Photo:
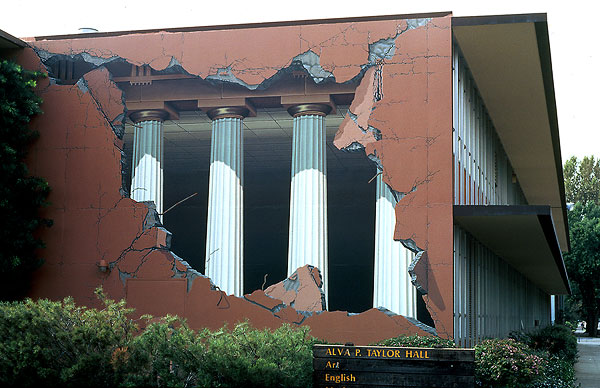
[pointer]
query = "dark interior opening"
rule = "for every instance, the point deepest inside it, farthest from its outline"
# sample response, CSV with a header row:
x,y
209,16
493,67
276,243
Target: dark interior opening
x,y
187,221
351,212
266,218
422,312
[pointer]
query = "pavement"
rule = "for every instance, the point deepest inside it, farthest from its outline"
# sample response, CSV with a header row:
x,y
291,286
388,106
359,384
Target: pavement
x,y
587,368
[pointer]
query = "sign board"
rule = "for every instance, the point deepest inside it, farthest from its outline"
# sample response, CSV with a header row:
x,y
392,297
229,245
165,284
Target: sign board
x,y
378,366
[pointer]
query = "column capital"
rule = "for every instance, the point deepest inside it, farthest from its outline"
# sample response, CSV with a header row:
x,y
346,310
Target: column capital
x,y
149,115
238,112
309,109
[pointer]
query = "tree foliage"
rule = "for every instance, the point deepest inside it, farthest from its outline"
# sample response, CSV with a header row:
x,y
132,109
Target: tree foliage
x,y
582,188
21,195
583,262
582,180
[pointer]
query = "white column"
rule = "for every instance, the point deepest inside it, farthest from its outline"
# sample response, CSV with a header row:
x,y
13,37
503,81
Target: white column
x,y
552,309
148,150
224,237
392,286
308,199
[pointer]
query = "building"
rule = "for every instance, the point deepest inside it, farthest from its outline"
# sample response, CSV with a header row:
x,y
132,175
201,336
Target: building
x,y
413,159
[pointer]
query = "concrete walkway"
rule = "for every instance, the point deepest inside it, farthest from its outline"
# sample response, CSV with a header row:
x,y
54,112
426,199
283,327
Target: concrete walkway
x,y
587,367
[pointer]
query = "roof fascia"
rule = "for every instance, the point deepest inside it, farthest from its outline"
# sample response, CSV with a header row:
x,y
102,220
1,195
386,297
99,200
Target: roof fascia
x,y
7,38
288,23
460,21
543,40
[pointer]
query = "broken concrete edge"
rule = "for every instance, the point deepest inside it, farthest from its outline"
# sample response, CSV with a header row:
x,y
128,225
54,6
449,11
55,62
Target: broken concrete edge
x,y
417,269
190,274
302,290
418,275
422,326
319,283
283,313
152,221
291,283
385,48
353,147
382,50
276,306
434,317
308,60
152,218
379,51
117,123
417,323
376,159
375,132
82,85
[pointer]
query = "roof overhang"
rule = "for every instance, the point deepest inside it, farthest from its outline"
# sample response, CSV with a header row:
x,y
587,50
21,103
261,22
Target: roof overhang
x,y
523,236
7,41
509,57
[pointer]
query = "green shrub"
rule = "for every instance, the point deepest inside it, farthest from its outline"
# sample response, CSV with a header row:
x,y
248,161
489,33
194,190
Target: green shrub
x,y
571,325
558,340
558,373
416,341
60,344
507,363
167,353
249,357
520,336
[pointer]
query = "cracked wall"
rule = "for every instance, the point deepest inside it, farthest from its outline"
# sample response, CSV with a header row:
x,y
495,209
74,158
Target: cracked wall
x,y
400,116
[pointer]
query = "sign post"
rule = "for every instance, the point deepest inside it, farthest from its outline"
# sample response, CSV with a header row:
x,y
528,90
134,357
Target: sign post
x,y
379,366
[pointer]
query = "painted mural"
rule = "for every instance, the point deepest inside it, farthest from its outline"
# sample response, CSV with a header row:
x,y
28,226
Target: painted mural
x,y
400,116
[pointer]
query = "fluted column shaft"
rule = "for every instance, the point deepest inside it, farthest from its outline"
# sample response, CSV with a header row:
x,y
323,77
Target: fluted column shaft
x,y
148,152
308,199
224,238
392,286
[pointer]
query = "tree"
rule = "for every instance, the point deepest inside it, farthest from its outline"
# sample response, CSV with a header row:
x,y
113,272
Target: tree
x,y
582,187
582,180
583,262
21,195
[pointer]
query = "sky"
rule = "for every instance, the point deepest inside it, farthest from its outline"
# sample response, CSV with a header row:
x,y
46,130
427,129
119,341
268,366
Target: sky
x,y
574,38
